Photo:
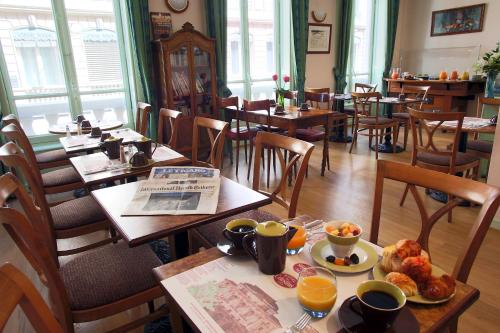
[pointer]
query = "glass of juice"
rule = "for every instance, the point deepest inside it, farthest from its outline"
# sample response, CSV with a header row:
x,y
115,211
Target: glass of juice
x,y
317,291
296,244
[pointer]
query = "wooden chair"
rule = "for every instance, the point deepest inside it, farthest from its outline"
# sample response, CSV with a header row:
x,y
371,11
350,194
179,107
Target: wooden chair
x,y
364,120
299,152
478,147
56,181
91,286
322,97
243,133
216,131
364,88
68,219
487,196
142,118
45,160
168,127
419,93
16,289
427,155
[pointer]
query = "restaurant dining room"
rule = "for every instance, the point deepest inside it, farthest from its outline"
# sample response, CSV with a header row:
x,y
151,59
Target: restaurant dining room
x,y
271,166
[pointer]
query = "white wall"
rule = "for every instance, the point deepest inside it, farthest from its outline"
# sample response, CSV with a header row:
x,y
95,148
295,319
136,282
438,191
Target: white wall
x,y
194,14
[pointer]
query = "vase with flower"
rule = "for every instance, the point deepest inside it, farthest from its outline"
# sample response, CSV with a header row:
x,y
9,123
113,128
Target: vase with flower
x,y
489,64
280,91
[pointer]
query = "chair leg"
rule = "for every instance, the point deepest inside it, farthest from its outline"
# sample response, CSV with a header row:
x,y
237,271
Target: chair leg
x,y
407,130
237,155
268,165
450,211
151,306
395,137
345,131
246,157
250,160
376,144
274,160
370,137
354,139
231,151
405,193
420,135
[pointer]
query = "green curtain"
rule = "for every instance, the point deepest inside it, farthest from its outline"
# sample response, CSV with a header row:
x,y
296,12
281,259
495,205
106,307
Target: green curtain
x,y
142,56
216,19
392,24
344,28
300,16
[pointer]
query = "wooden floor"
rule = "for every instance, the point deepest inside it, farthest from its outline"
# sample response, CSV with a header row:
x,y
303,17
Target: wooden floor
x,y
345,192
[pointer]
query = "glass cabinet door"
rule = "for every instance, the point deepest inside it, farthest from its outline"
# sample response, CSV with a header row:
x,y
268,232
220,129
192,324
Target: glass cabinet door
x,y
181,80
203,76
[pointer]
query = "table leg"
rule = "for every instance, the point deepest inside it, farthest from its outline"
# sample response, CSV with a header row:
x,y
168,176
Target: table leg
x,y
339,136
387,147
325,145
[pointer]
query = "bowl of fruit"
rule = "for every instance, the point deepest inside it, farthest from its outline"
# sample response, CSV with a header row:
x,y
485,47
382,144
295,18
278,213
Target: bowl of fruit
x,y
342,236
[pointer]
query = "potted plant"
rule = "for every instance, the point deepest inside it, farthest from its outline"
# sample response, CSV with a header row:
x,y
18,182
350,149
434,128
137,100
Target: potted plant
x,y
489,65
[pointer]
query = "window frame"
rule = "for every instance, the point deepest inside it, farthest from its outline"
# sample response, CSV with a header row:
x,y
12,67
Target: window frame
x,y
72,93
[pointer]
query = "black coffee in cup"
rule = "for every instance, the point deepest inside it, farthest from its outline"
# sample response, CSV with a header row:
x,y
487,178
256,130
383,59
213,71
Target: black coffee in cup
x,y
242,228
380,300
237,229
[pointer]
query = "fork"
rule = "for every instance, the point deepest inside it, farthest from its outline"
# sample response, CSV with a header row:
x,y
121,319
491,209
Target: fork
x,y
300,324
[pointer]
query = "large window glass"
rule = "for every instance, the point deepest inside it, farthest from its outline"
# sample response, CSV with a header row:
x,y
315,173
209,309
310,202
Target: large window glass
x,y
255,30
47,89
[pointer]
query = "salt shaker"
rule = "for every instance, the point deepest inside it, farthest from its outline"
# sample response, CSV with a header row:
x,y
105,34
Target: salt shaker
x,y
68,133
79,128
122,155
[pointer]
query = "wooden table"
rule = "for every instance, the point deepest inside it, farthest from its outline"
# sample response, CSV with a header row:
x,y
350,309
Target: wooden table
x,y
136,230
84,143
163,156
290,121
104,125
432,318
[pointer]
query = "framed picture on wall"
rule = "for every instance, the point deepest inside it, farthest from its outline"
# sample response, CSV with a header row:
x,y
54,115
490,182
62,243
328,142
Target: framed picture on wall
x,y
161,24
460,20
319,38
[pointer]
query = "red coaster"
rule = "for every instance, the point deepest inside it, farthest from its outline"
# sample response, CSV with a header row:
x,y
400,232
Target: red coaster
x,y
285,280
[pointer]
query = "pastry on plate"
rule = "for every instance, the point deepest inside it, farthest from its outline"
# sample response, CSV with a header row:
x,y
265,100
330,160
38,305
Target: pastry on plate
x,y
418,268
393,255
437,288
407,248
404,282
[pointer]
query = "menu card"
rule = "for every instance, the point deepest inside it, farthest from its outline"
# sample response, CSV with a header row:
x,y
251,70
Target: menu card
x,y
230,294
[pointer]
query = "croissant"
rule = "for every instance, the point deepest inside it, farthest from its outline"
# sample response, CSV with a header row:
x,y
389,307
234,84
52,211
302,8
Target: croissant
x,y
418,268
404,282
437,288
407,248
390,261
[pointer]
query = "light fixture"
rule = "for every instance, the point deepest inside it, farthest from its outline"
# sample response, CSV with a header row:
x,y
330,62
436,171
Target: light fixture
x,y
318,15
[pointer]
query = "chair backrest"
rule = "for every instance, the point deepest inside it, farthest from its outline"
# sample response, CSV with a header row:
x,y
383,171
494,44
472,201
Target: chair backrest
x,y
363,104
431,122
216,130
317,99
22,229
325,98
487,196
299,152
481,102
16,134
168,127
16,289
234,103
417,92
142,118
259,105
364,87
11,119
12,156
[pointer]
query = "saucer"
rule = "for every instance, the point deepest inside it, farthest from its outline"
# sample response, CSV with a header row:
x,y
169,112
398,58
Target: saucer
x,y
353,323
150,163
227,247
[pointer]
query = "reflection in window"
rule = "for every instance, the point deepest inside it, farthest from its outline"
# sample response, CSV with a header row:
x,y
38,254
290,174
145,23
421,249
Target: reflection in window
x,y
102,54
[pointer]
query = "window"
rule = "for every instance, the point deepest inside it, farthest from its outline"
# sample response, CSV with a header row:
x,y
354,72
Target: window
x,y
254,29
46,89
367,49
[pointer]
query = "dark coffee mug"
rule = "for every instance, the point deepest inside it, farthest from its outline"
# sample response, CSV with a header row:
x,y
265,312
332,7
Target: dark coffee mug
x,y
80,118
377,317
104,136
86,127
401,97
95,132
111,148
138,160
146,147
267,245
304,107
232,234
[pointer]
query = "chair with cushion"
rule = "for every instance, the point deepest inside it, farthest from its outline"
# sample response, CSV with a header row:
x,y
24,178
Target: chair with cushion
x,y
216,131
478,147
429,155
45,160
68,219
56,181
324,103
142,118
240,133
299,152
94,285
420,94
365,120
16,289
359,87
487,196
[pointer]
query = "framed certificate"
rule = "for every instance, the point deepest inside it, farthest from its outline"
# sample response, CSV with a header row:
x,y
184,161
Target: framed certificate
x,y
319,38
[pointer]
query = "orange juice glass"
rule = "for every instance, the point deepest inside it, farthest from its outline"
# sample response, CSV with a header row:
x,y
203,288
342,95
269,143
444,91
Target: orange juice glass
x,y
296,244
317,291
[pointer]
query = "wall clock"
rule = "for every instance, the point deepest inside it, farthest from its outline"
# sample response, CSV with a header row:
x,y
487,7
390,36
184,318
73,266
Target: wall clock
x,y
318,15
177,6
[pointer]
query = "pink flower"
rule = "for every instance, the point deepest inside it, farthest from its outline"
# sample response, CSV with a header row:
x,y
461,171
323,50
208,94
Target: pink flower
x,y
275,77
286,78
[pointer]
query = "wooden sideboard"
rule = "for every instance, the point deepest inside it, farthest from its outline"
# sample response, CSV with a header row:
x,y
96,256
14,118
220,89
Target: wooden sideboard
x,y
444,95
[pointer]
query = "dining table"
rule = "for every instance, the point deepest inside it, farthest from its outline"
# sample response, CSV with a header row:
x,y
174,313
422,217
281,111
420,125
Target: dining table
x,y
234,198
247,293
86,143
104,125
97,168
292,119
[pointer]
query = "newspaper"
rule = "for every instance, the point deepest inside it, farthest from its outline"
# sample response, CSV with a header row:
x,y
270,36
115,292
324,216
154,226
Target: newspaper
x,y
176,191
